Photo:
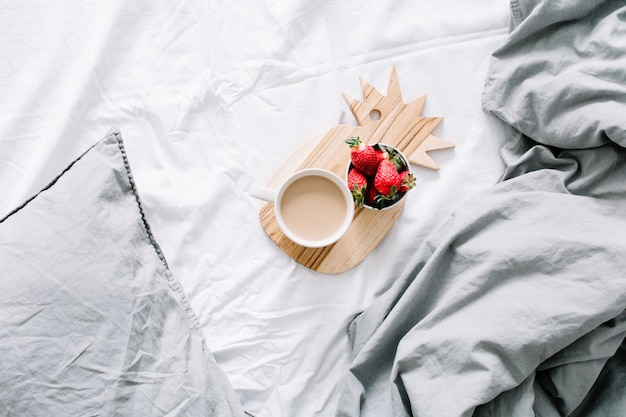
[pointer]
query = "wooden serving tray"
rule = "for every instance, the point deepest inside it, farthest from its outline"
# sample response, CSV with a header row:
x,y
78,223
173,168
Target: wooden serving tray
x,y
382,119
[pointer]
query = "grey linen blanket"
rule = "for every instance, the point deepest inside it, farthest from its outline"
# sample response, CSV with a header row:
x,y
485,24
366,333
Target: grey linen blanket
x,y
515,304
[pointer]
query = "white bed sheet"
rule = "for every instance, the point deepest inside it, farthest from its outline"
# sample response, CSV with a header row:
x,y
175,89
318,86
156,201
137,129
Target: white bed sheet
x,y
211,97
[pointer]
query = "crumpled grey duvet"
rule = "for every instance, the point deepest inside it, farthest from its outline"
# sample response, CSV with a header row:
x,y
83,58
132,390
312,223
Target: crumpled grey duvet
x,y
92,322
515,305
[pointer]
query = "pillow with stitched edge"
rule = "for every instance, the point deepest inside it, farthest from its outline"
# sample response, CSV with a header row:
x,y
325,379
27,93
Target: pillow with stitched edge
x,y
93,322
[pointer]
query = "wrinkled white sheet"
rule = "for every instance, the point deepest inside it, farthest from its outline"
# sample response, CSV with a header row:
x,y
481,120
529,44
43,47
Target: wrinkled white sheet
x,y
213,96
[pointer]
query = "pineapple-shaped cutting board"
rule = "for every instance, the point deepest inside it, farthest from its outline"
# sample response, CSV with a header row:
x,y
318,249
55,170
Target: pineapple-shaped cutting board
x,y
381,119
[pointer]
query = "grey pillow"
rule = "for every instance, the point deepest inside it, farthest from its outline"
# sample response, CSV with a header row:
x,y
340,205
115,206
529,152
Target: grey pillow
x,y
92,320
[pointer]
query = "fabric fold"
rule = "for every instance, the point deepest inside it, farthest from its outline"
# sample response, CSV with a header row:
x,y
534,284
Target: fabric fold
x,y
515,303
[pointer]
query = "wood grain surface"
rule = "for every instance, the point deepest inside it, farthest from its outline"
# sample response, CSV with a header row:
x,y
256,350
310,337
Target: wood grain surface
x,y
382,119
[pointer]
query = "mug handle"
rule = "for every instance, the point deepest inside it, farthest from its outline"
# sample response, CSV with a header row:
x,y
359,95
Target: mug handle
x,y
263,193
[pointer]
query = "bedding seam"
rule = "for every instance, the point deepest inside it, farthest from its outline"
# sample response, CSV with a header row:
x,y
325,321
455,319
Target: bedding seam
x,y
516,12
175,284
144,221
49,185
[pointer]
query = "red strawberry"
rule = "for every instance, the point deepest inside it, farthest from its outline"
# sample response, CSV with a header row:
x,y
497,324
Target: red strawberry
x,y
389,152
407,181
363,156
387,180
381,155
371,194
357,183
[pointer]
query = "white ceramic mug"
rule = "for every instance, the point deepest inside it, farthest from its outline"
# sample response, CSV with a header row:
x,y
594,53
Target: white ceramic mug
x,y
313,207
